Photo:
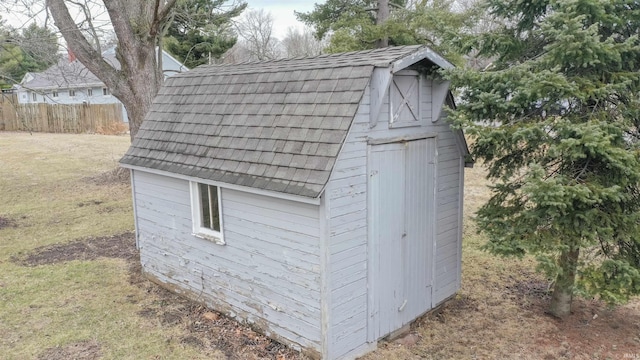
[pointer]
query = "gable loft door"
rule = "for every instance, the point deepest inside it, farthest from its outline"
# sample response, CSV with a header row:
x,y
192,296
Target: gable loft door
x,y
401,188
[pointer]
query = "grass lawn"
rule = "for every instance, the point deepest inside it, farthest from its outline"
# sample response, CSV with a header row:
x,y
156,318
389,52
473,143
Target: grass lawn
x,y
51,194
70,288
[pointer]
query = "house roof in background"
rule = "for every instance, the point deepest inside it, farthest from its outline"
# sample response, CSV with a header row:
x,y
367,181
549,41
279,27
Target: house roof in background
x,y
65,74
274,125
73,74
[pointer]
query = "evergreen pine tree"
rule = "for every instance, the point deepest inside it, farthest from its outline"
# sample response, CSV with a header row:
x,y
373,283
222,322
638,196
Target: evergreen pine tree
x,y
555,119
201,30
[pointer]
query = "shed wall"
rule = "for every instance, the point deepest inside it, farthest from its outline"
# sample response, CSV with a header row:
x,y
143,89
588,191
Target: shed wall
x,y
346,201
266,274
449,208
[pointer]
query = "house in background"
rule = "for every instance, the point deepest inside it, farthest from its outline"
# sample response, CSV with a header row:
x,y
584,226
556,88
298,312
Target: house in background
x,y
70,82
319,199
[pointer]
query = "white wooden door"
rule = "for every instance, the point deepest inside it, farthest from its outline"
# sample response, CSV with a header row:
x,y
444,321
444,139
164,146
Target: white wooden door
x,y
401,189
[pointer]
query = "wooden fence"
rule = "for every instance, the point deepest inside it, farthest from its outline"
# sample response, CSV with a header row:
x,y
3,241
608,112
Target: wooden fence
x,y
60,118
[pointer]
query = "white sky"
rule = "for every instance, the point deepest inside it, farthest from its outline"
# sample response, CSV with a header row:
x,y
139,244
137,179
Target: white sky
x,y
282,12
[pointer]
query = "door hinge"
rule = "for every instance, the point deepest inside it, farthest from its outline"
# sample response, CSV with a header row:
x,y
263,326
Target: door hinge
x,y
403,305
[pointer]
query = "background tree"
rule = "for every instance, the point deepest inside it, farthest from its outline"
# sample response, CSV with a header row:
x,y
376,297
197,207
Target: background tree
x,y
353,24
138,26
31,50
382,15
349,24
556,118
324,17
255,30
297,43
200,31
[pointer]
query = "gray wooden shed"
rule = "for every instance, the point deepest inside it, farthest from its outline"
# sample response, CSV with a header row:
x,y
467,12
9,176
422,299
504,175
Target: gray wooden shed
x,y
319,199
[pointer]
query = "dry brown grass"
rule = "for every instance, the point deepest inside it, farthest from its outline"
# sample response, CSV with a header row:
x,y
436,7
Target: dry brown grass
x,y
114,128
56,190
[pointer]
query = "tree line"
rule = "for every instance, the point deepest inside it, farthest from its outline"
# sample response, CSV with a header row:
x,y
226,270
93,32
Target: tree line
x,y
548,92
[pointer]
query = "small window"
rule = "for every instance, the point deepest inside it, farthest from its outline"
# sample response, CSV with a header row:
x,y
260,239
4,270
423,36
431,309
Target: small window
x,y
72,93
105,91
89,92
206,211
34,96
54,93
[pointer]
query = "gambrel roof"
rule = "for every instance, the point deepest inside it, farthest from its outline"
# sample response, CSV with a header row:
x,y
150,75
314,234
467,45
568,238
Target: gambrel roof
x,y
275,125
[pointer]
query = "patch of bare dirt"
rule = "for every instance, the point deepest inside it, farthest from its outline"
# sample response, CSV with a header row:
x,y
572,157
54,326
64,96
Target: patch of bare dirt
x,y
6,222
593,331
204,328
114,246
532,292
118,175
85,350
90,203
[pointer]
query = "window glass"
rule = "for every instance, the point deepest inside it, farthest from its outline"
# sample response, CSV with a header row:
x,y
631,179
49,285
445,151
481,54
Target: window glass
x,y
205,206
215,214
206,212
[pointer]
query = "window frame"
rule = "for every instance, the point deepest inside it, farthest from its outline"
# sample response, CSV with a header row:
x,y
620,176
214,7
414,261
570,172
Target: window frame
x,y
106,92
89,92
199,230
34,96
72,92
54,93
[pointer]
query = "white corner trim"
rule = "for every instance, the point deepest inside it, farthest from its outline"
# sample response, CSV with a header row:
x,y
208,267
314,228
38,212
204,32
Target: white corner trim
x,y
379,84
440,90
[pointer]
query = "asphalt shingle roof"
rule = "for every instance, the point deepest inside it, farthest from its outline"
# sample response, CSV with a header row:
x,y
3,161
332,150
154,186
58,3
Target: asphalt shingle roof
x,y
275,125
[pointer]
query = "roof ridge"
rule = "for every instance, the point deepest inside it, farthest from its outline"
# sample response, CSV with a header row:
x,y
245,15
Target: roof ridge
x,y
320,56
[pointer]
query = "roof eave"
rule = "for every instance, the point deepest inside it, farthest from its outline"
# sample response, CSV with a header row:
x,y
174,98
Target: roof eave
x,y
276,194
421,54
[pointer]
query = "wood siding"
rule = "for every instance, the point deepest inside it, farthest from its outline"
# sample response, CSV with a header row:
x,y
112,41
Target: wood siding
x,y
346,198
268,273
402,176
450,176
346,201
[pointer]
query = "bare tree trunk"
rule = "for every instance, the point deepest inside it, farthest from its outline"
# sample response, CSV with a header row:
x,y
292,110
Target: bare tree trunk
x,y
381,18
562,295
137,25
